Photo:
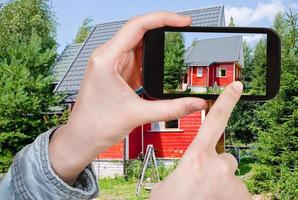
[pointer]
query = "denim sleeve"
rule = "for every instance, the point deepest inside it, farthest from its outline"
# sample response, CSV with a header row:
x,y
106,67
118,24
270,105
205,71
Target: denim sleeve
x,y
32,177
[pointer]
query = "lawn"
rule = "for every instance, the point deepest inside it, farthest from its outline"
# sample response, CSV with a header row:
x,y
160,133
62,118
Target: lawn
x,y
119,189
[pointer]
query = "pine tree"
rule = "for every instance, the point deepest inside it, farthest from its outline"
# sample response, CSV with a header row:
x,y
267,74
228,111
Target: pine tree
x,y
275,170
231,23
259,66
28,50
84,31
174,61
246,73
23,17
238,129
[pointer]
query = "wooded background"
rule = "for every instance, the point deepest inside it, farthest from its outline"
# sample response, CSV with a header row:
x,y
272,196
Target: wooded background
x,y
28,50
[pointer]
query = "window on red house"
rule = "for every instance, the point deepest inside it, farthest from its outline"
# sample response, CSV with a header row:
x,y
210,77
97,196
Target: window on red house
x,y
164,125
221,72
171,124
199,72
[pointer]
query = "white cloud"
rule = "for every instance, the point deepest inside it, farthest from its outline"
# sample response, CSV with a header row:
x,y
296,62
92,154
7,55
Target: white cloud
x,y
253,39
245,16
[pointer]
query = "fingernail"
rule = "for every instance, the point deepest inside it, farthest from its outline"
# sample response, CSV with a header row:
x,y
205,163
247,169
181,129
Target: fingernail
x,y
238,86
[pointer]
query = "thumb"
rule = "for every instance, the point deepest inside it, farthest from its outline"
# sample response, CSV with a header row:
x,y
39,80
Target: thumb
x,y
165,110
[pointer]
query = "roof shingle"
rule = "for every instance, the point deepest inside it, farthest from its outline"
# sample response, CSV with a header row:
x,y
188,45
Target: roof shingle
x,y
212,16
215,50
65,60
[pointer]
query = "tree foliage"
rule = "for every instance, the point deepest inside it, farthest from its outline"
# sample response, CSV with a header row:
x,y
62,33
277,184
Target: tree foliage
x,y
22,18
84,31
239,129
275,170
28,50
259,66
173,60
231,23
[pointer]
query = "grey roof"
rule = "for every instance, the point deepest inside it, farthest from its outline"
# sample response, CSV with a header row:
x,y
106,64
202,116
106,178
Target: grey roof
x,y
215,50
65,60
212,16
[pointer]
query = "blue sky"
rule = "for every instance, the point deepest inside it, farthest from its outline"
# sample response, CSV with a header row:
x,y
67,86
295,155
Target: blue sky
x,y
70,13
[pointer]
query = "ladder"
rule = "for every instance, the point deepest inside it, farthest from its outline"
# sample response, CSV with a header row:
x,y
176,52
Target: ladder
x,y
149,156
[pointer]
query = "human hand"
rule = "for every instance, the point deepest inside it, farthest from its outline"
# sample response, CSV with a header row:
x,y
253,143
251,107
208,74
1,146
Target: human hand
x,y
107,108
202,173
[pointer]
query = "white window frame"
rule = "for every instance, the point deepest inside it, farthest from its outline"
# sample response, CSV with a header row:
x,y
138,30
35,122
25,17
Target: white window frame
x,y
161,127
200,69
218,69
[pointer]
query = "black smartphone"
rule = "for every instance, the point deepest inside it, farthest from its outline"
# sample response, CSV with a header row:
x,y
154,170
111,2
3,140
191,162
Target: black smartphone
x,y
202,61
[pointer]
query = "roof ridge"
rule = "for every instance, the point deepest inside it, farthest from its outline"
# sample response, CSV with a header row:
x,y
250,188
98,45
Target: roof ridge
x,y
196,9
232,36
203,8
112,22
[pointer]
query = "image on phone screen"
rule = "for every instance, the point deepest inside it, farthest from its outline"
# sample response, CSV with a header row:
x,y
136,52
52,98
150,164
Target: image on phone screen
x,y
206,62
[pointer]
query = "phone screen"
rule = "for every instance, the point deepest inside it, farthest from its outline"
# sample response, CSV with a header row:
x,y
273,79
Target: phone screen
x,y
206,62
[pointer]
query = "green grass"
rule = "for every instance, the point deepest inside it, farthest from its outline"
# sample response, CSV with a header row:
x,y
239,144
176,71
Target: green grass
x,y
119,189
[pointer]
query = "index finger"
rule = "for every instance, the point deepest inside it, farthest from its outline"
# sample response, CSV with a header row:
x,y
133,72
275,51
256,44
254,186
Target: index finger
x,y
133,31
218,116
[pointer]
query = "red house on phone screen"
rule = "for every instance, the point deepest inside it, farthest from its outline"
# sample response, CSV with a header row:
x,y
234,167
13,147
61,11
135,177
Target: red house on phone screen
x,y
170,139
213,63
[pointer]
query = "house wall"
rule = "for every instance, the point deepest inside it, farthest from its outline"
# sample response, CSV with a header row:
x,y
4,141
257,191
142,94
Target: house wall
x,y
198,81
237,73
209,81
172,144
167,144
135,143
114,152
224,81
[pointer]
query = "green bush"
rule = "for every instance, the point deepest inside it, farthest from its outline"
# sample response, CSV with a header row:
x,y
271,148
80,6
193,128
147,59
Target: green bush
x,y
133,169
275,170
260,179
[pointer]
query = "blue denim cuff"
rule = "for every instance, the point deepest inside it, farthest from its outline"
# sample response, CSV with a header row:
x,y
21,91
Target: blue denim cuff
x,y
33,177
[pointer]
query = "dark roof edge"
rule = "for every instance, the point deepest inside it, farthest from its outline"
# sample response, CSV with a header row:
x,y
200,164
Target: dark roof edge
x,y
83,44
193,64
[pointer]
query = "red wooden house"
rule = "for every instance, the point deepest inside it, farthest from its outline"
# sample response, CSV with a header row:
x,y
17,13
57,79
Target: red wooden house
x,y
170,139
213,63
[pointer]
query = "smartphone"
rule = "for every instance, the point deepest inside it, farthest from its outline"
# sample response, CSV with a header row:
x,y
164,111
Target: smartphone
x,y
202,61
